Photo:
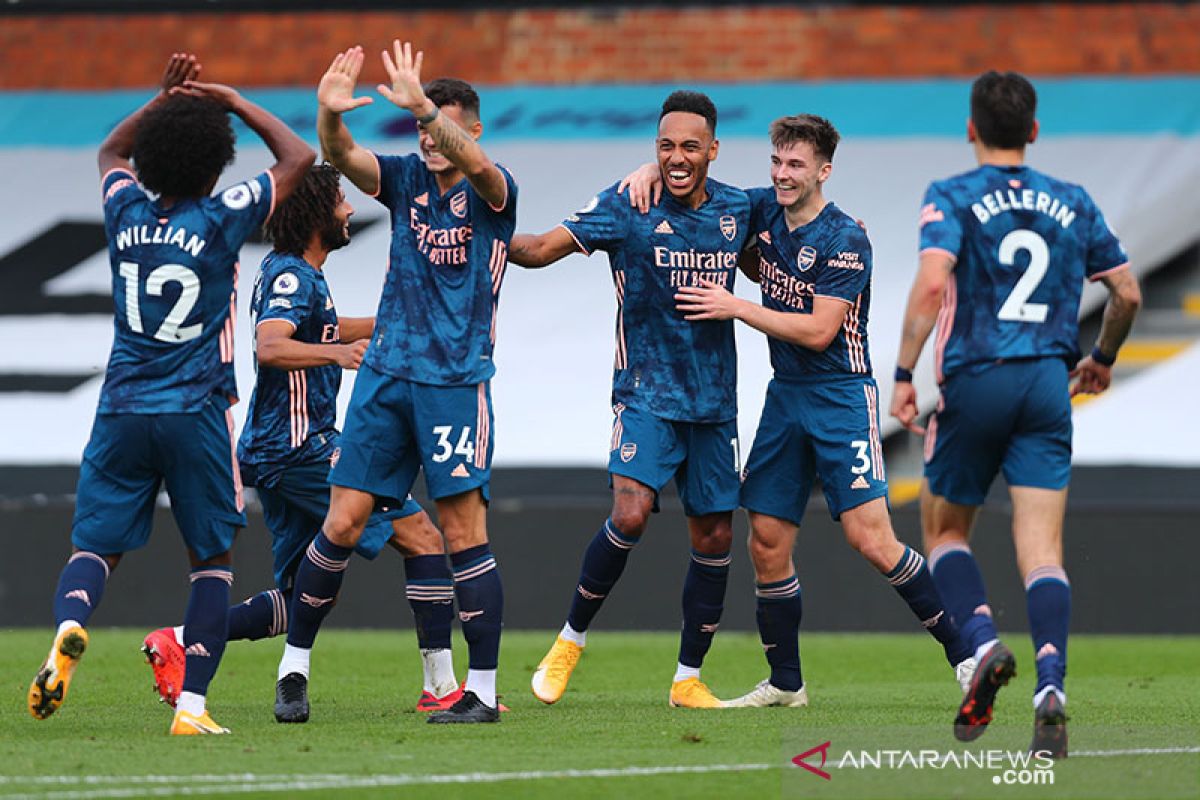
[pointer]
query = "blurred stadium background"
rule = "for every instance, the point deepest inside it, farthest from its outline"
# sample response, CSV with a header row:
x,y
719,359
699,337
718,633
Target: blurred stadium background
x,y
570,97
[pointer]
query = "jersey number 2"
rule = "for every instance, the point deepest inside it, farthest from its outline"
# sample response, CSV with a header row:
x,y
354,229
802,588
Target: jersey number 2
x,y
1017,307
169,330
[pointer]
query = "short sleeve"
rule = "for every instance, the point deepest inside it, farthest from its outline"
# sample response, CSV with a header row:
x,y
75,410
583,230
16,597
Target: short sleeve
x,y
846,270
602,223
1104,251
289,296
940,228
118,188
244,207
507,209
393,176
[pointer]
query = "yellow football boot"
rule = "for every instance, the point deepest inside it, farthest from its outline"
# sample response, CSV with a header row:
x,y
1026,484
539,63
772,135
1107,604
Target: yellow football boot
x,y
692,693
186,724
49,687
551,676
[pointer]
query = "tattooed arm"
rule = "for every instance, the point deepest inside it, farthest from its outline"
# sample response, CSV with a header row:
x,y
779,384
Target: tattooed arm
x,y
459,146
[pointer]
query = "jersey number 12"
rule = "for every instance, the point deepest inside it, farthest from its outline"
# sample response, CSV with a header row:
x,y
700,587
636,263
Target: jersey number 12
x,y
169,330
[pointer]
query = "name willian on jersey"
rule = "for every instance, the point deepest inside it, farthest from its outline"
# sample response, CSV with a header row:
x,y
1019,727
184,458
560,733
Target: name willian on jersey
x,y
160,234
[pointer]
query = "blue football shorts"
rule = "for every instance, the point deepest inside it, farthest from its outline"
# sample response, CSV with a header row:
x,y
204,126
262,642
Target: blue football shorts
x,y
130,456
396,428
826,427
1013,416
702,457
294,508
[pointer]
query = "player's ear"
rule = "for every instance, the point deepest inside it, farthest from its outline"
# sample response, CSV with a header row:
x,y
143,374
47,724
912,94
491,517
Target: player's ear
x,y
712,150
972,134
824,171
1033,132
475,129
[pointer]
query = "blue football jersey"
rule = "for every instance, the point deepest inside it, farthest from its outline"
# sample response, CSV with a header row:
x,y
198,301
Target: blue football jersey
x,y
174,284
665,365
437,316
293,412
1023,243
828,257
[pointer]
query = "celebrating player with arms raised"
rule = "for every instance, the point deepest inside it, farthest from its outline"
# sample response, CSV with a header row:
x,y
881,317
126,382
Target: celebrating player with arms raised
x,y
422,398
674,385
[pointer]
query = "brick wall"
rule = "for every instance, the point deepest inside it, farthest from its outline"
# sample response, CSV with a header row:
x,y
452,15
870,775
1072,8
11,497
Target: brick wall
x,y
617,45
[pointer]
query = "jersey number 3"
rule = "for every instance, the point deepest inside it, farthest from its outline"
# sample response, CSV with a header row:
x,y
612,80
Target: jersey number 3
x,y
1017,307
169,330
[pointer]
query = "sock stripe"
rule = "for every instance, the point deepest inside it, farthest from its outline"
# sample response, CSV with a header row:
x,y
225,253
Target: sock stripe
x,y
1045,573
278,612
943,550
431,593
85,554
908,568
615,538
481,567
712,561
323,561
212,572
779,590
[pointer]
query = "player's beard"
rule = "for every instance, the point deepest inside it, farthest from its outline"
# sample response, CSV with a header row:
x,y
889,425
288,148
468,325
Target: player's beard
x,y
335,236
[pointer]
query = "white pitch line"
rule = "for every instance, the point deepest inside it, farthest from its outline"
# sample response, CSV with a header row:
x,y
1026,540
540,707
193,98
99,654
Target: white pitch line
x,y
240,784
168,785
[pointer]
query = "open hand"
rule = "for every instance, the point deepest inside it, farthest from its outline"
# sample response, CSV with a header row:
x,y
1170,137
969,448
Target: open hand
x,y
336,89
645,187
706,301
1092,377
226,96
404,73
180,67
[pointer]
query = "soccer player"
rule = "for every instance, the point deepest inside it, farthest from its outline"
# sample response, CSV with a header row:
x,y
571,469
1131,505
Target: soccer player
x,y
674,385
164,406
821,415
422,399
290,438
1005,250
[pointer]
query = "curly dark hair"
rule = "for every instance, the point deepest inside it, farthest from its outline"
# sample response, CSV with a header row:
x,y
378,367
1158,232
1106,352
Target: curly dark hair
x,y
693,103
1003,105
307,210
182,145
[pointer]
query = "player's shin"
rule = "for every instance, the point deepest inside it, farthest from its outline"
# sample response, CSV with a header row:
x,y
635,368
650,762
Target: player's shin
x,y
80,587
261,616
703,602
205,631
481,609
911,579
960,584
318,580
603,562
779,610
1048,599
430,592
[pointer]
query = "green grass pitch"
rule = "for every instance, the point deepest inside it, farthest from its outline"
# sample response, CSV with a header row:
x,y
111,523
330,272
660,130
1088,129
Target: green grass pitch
x,y
1133,701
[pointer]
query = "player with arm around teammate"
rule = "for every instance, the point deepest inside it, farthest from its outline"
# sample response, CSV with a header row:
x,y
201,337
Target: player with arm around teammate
x,y
674,385
163,416
1005,251
422,398
821,415
290,438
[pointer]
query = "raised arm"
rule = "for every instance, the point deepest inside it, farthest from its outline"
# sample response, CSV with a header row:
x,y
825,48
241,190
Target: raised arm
x,y
292,156
1124,299
924,303
814,331
335,96
458,146
528,250
118,145
276,348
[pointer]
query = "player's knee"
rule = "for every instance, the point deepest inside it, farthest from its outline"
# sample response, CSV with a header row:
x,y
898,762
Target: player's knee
x,y
768,555
342,528
631,520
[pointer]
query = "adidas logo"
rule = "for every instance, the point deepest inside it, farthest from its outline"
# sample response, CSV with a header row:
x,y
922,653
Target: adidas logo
x,y
315,602
79,594
422,199
860,483
198,649
460,472
664,227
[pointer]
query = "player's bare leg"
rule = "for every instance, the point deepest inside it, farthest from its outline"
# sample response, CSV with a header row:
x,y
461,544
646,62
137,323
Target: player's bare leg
x,y
603,562
1037,536
703,602
318,580
480,604
430,592
947,529
779,612
80,587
